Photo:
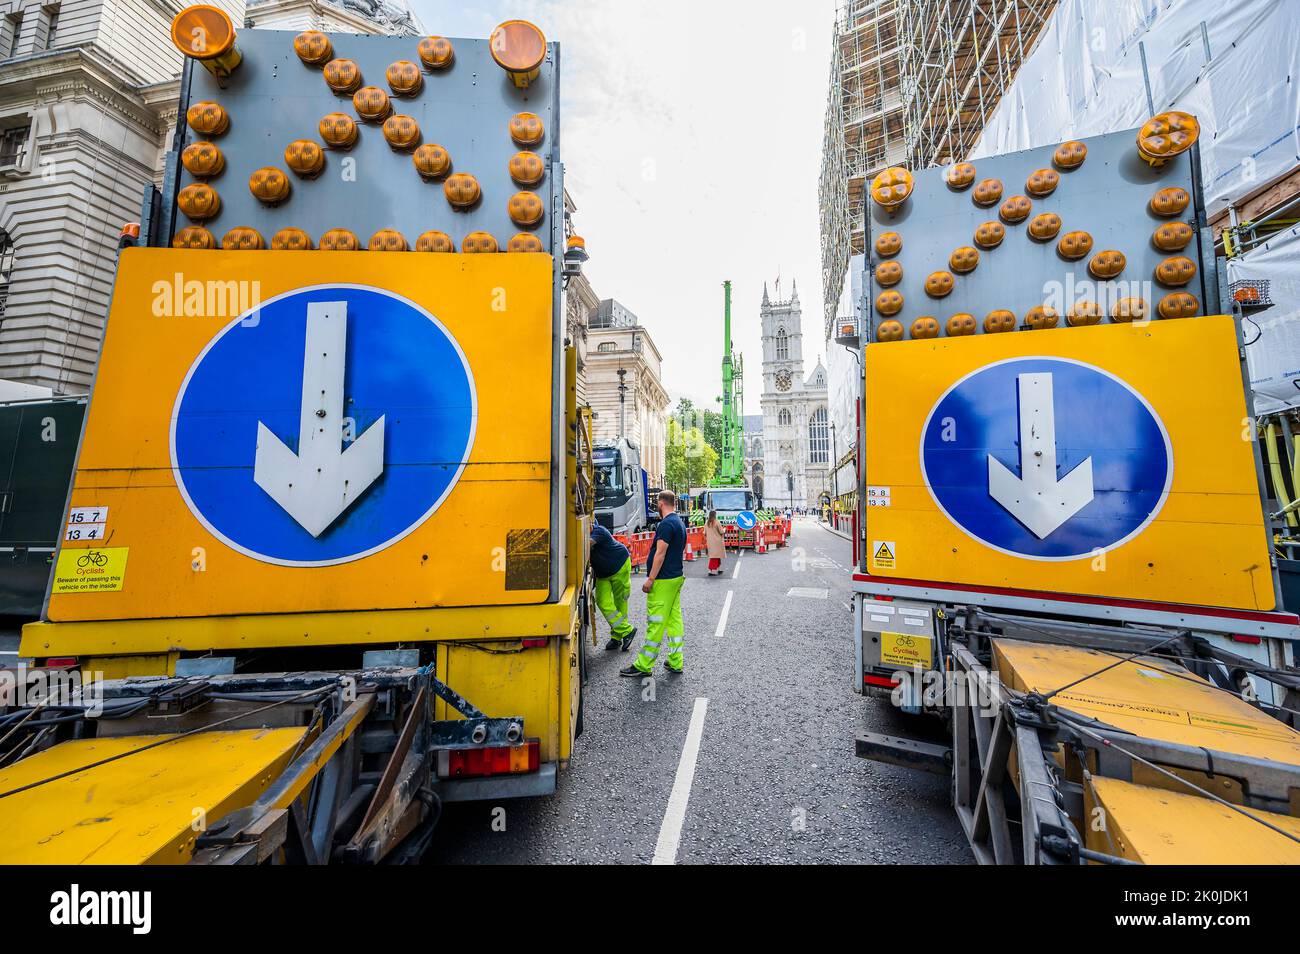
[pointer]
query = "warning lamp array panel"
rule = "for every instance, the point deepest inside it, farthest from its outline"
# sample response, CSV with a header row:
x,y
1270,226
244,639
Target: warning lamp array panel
x,y
1079,233
457,153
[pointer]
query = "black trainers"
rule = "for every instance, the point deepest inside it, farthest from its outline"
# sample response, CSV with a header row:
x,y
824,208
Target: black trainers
x,y
675,672
614,643
631,672
626,642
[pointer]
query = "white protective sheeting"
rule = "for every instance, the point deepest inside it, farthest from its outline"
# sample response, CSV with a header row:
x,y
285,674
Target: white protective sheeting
x,y
1273,336
842,372
1084,78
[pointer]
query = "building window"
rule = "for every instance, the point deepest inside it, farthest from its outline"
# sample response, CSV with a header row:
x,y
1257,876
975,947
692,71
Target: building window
x,y
6,268
51,16
13,144
13,27
783,418
607,346
782,345
819,444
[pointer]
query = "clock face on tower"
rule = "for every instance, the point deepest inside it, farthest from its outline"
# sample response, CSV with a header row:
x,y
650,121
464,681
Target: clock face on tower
x,y
783,380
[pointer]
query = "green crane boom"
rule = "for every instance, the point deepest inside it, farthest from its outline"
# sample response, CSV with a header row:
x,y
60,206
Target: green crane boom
x,y
731,467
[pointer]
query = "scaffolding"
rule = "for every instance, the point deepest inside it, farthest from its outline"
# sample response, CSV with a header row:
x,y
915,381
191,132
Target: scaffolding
x,y
863,130
957,58
912,82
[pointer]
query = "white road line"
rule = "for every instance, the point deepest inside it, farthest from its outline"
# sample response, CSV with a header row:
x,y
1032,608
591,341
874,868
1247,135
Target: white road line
x,y
722,620
736,571
670,832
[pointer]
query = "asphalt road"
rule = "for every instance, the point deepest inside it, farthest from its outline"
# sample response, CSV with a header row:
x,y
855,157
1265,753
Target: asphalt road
x,y
775,779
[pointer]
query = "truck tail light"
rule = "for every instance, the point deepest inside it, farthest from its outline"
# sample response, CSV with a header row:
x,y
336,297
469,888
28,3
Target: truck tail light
x,y
536,642
882,682
490,760
1243,638
62,662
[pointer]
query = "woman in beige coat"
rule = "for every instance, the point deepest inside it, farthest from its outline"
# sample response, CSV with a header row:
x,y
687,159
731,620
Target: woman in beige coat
x,y
717,544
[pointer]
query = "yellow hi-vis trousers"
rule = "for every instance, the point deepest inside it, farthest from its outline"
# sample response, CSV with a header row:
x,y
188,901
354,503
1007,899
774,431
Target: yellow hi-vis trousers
x,y
611,597
663,606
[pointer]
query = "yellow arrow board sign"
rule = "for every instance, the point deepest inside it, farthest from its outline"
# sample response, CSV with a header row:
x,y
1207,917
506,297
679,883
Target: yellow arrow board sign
x,y
311,431
1116,461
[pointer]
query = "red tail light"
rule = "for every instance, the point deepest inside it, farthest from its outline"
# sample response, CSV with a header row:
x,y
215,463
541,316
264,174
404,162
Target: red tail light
x,y
1249,640
884,682
536,642
61,662
490,760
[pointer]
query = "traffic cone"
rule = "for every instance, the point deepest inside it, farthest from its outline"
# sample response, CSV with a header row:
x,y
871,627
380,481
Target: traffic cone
x,y
689,554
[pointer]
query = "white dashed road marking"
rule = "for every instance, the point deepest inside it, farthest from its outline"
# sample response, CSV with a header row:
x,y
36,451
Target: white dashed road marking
x,y
722,620
670,832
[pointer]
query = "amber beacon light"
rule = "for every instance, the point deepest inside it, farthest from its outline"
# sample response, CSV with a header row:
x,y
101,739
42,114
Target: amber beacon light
x,y
518,48
205,33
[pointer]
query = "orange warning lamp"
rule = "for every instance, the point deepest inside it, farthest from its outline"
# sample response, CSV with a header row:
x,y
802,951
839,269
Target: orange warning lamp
x,y
404,78
401,132
525,208
243,238
462,190
205,33
203,160
524,242
526,168
207,118
436,52
291,240
891,187
388,240
479,242
432,161
339,240
339,130
305,157
313,47
518,48
342,76
527,129
269,185
198,201
194,236
434,241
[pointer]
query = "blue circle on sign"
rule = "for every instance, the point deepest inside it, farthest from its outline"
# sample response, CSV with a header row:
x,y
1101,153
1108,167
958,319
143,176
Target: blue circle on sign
x,y
405,384
1113,460
746,520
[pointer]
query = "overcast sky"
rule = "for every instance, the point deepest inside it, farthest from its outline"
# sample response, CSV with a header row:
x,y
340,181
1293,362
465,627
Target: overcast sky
x,y
692,145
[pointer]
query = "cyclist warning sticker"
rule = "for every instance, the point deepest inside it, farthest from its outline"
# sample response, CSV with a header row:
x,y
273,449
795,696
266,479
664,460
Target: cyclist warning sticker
x,y
90,571
882,554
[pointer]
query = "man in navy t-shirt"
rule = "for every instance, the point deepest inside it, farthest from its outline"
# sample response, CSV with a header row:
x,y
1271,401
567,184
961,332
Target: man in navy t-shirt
x,y
612,568
663,586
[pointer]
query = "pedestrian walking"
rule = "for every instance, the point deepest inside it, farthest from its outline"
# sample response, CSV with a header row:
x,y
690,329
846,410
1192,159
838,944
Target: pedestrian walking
x,y
611,565
717,543
663,589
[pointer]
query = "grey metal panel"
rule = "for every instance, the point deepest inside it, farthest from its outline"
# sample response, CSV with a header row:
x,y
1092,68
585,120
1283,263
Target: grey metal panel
x,y
1106,197
273,98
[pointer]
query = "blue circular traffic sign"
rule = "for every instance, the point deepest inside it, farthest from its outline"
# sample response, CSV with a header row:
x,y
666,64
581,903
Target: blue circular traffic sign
x,y
324,425
1046,458
746,520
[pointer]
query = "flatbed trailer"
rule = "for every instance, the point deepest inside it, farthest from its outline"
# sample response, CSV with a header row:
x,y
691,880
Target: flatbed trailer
x,y
1061,546
346,488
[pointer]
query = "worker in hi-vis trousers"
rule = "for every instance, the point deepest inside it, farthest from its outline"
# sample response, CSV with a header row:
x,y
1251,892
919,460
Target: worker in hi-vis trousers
x,y
663,589
612,567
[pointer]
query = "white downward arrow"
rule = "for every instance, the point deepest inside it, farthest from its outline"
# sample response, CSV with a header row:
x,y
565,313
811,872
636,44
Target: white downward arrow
x,y
322,480
1037,498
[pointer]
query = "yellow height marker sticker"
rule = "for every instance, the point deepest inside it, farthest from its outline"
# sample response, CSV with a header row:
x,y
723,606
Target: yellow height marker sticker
x,y
90,571
882,554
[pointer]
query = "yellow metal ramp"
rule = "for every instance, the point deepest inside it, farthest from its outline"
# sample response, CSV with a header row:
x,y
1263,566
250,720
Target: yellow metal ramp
x,y
146,808
1152,698
1158,827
